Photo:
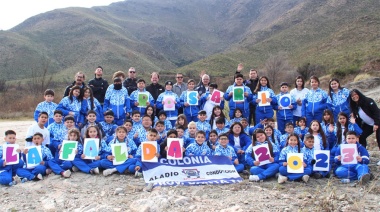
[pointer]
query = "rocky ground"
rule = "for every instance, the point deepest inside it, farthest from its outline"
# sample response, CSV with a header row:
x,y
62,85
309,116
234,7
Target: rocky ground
x,y
83,192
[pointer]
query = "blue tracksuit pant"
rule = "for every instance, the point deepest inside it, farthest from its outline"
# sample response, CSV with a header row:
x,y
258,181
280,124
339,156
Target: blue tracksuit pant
x,y
239,168
310,117
5,175
193,118
265,171
323,173
119,121
30,174
261,116
130,164
59,166
86,165
281,123
352,171
294,176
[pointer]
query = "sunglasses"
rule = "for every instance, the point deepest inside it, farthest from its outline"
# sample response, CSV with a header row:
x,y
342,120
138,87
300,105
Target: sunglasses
x,y
179,77
132,72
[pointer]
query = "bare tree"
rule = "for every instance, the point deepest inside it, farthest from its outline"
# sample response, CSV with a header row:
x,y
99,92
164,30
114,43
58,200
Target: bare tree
x,y
40,80
307,70
276,68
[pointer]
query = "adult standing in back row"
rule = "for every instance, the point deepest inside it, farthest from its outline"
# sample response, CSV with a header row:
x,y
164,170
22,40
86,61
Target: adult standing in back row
x,y
154,88
131,82
178,88
79,81
202,86
99,85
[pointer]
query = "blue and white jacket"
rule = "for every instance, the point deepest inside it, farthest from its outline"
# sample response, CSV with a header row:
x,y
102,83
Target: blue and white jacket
x,y
134,98
233,121
362,151
233,105
308,155
76,106
191,110
321,141
48,107
315,102
171,115
285,114
57,133
204,126
284,152
109,130
340,102
227,151
97,107
198,149
301,133
221,131
118,101
168,124
284,139
265,109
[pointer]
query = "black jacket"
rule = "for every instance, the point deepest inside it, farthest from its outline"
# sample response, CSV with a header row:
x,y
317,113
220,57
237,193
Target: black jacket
x,y
99,87
67,90
369,106
155,90
130,84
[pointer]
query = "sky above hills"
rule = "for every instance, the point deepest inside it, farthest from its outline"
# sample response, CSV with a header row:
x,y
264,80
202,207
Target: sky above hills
x,y
14,12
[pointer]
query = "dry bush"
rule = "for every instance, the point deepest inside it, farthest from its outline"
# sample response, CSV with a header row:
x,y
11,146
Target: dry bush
x,y
277,67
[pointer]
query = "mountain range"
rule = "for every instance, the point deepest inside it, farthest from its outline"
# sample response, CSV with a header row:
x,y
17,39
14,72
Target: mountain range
x,y
187,36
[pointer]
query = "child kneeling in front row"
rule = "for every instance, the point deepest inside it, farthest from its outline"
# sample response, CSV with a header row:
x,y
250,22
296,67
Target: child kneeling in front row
x,y
223,149
359,171
150,137
293,145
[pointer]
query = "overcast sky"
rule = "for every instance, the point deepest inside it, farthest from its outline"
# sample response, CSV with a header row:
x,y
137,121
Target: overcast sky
x,y
14,12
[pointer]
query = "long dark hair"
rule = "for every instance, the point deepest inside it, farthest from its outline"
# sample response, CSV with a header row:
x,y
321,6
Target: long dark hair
x,y
320,131
298,141
71,93
363,101
258,87
211,122
254,139
232,126
272,136
91,97
331,120
339,127
97,130
151,116
303,82
330,89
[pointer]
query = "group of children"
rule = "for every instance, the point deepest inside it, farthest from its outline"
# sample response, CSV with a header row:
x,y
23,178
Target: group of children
x,y
203,132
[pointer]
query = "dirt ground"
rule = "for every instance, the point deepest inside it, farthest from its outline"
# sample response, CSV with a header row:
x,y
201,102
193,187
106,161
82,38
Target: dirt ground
x,y
83,192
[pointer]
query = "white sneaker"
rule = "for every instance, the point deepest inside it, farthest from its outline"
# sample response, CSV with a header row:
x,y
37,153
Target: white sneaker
x,y
107,172
378,163
282,179
75,169
254,178
305,178
39,176
66,174
96,170
138,174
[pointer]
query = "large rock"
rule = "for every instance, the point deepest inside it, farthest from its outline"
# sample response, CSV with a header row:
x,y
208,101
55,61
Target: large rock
x,y
364,85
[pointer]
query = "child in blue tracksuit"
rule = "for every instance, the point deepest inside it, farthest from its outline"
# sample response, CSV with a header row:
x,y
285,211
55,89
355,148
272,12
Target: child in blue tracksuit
x,y
301,129
262,172
57,131
117,100
237,117
190,111
289,129
338,99
223,149
269,132
170,114
161,132
315,102
264,112
213,140
217,113
163,117
308,155
242,105
8,171
91,166
92,104
151,137
200,147
221,126
202,124
293,145
343,125
129,164
91,121
271,122
72,105
135,97
359,171
190,134
327,120
284,115
47,106
108,126
239,140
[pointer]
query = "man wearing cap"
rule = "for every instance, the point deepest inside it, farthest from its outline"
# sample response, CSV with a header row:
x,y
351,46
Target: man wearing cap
x,y
154,88
170,107
131,82
179,87
284,107
117,100
79,81
99,85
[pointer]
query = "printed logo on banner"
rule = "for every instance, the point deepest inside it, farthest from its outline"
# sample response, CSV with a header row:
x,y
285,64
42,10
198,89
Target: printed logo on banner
x,y
295,162
263,95
191,173
348,153
169,104
175,146
322,158
192,97
10,154
238,94
91,148
262,153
